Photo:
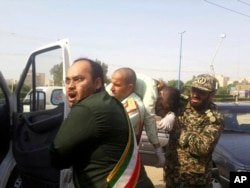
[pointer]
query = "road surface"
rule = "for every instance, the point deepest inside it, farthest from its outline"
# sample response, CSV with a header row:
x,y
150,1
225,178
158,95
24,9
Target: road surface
x,y
156,176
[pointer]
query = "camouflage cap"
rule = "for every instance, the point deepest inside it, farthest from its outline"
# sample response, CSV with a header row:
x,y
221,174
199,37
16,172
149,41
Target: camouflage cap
x,y
205,82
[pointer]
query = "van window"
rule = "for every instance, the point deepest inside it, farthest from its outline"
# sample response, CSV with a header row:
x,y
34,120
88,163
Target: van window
x,y
57,97
39,95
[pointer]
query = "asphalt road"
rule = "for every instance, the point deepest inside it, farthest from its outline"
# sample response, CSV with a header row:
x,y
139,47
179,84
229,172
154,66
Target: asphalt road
x,y
156,176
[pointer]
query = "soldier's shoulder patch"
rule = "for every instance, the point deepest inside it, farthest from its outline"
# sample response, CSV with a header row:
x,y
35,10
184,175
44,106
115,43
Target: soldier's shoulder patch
x,y
131,104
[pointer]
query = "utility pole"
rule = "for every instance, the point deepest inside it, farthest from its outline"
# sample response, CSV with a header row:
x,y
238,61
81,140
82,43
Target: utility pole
x,y
222,36
179,76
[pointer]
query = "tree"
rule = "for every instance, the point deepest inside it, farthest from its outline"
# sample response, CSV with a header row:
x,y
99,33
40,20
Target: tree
x,y
235,82
105,70
25,89
186,88
174,83
57,72
222,91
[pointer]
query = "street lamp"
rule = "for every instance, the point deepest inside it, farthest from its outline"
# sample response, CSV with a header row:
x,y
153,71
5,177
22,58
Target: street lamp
x,y
222,36
180,61
12,85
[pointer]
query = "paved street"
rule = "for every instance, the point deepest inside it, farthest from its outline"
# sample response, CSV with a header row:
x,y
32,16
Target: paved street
x,y
156,176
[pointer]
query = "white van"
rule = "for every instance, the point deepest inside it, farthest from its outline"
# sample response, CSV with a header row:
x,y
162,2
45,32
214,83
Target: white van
x,y
48,96
26,137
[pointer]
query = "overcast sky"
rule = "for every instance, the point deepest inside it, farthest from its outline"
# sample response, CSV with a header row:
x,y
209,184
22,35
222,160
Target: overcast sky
x,y
141,34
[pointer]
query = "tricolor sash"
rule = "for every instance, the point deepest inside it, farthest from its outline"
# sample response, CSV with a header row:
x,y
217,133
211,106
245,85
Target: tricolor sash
x,y
126,172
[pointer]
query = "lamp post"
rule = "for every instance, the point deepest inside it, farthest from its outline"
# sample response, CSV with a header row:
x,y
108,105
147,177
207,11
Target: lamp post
x,y
12,85
180,60
222,36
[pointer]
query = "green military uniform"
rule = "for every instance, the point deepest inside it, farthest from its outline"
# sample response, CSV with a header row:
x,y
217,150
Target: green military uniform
x,y
92,140
192,140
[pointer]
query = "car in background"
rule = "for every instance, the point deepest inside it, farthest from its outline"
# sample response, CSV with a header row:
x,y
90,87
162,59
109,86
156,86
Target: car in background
x,y
232,152
49,97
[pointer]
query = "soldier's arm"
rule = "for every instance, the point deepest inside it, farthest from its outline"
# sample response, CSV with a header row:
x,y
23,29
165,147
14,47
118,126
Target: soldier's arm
x,y
65,146
202,143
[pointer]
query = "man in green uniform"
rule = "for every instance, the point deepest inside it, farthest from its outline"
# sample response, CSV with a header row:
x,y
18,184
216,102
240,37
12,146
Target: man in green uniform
x,y
96,139
193,138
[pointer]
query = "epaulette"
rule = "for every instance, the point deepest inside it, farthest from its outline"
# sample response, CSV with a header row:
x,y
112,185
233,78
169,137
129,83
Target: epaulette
x,y
131,104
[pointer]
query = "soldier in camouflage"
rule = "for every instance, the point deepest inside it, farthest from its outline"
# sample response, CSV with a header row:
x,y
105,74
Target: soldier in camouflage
x,y
194,136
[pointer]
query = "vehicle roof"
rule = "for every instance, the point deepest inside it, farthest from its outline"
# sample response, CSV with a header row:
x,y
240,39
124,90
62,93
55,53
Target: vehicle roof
x,y
242,103
45,87
48,88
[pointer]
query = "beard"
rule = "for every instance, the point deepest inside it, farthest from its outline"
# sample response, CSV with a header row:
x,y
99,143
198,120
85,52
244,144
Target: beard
x,y
199,104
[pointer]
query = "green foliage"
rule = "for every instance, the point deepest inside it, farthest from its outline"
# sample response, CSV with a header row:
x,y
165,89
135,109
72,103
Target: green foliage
x,y
25,89
105,70
228,98
235,83
57,72
222,91
186,87
230,85
2,97
174,83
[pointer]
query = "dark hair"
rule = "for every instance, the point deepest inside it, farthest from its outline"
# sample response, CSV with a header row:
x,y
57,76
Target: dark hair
x,y
96,69
174,100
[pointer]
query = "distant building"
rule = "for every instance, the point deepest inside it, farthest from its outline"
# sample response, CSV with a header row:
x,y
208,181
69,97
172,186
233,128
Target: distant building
x,y
40,79
223,81
240,90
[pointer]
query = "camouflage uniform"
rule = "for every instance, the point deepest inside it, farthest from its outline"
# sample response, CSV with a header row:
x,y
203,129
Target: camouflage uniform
x,y
192,140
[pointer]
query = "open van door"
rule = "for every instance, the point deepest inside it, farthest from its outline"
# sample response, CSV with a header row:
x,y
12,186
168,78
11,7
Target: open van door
x,y
7,162
32,132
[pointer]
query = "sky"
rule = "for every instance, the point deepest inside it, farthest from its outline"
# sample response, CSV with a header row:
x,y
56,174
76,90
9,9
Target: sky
x,y
165,39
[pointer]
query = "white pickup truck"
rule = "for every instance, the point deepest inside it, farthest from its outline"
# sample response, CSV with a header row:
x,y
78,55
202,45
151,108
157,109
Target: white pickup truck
x,y
49,97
